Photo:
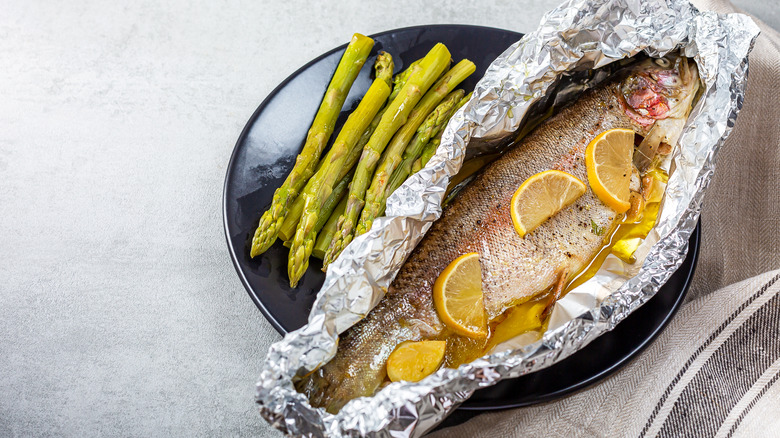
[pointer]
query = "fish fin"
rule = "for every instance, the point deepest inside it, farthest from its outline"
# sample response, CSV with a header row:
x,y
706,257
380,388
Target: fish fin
x,y
556,293
638,202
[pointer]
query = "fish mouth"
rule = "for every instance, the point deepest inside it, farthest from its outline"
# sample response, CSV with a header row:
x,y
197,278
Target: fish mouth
x,y
645,99
659,94
656,88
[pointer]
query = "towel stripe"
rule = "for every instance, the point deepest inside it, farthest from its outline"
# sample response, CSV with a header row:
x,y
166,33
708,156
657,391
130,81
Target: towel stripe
x,y
700,350
727,375
743,410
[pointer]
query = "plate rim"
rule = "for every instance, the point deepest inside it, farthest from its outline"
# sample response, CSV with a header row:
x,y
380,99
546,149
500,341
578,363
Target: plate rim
x,y
256,113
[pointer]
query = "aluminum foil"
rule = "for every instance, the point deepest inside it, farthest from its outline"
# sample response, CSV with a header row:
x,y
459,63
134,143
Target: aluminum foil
x,y
578,35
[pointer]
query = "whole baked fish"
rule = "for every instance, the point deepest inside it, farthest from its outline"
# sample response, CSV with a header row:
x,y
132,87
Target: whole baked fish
x,y
653,97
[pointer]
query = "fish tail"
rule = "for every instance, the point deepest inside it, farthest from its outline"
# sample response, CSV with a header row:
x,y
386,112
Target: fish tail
x,y
359,367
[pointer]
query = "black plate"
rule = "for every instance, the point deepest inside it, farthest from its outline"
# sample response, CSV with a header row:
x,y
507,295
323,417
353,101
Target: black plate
x,y
265,152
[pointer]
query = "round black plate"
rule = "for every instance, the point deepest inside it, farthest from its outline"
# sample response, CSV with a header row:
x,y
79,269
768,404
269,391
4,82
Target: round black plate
x,y
265,153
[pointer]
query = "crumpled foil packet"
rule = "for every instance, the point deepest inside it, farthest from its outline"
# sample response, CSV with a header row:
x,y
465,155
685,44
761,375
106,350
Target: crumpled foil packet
x,y
578,35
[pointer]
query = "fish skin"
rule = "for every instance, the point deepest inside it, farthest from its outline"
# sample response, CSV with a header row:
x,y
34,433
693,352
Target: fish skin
x,y
514,269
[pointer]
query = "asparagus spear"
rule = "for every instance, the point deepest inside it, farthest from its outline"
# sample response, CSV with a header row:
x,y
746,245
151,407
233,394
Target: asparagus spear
x,y
305,164
356,124
400,79
375,196
461,102
339,190
384,70
420,79
435,122
432,145
290,223
426,154
327,232
287,231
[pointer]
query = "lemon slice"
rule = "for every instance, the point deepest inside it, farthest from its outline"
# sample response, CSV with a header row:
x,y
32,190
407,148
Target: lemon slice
x,y
413,361
457,294
541,196
608,160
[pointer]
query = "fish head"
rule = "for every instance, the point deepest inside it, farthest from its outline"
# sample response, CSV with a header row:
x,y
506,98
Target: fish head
x,y
660,88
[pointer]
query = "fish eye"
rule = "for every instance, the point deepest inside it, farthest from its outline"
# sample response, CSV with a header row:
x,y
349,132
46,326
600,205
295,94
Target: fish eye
x,y
663,62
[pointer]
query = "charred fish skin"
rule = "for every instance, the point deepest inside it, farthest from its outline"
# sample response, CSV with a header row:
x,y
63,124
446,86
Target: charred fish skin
x,y
514,269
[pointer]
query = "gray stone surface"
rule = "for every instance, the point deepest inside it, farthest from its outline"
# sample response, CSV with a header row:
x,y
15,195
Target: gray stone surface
x,y
120,312
767,11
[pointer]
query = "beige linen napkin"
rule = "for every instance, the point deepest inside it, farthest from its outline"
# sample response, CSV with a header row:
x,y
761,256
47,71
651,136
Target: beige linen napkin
x,y
714,370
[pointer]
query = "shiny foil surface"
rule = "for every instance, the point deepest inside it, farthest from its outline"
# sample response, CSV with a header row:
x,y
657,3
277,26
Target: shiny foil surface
x,y
577,36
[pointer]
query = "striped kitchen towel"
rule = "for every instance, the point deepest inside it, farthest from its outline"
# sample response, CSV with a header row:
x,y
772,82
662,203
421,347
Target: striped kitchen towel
x,y
712,373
